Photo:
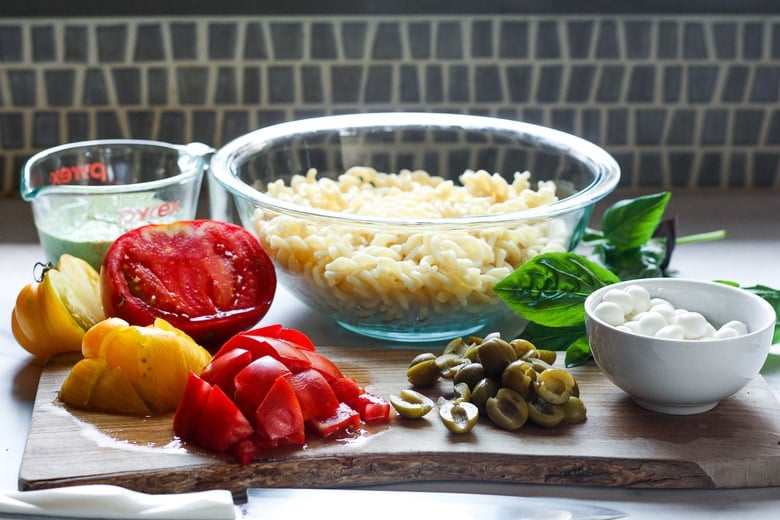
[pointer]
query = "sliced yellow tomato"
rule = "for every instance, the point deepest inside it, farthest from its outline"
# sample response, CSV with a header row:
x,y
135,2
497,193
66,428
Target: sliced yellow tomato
x,y
51,316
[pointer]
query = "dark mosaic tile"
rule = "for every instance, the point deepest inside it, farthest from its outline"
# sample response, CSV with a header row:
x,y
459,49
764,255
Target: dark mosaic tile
x,y
149,43
682,127
672,83
43,47
112,43
353,40
107,125
434,84
668,40
22,84
773,130
235,123
410,84
322,41
59,87
78,126
10,44
714,127
649,126
533,115
75,44
736,173
95,89
11,130
513,39
488,87
752,41
710,167
610,84
702,81
548,90
580,37
172,126
626,161
680,168
775,42
724,35
140,123
766,84
449,41
157,85
191,83
694,42
580,83
746,126
459,84
281,84
519,79
765,167
387,42
379,84
482,39
311,84
641,84
735,84
227,88
548,40
251,87
345,83
650,170
184,40
222,41
564,119
204,127
638,35
127,85
590,127
617,127
607,45
287,40
254,42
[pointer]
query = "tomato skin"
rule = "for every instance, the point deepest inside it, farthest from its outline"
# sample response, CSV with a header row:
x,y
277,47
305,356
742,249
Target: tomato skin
x,y
344,420
190,410
222,372
315,395
288,353
210,279
279,417
254,381
221,425
373,408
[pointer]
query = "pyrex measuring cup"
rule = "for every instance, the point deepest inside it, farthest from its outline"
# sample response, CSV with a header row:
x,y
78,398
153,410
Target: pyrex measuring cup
x,y
86,194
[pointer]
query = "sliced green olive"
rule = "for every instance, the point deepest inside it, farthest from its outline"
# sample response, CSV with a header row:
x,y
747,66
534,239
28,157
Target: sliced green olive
x,y
419,358
411,404
461,392
484,390
472,353
458,417
539,364
545,414
574,411
554,385
470,374
456,346
495,354
449,364
508,409
548,356
423,372
520,377
522,346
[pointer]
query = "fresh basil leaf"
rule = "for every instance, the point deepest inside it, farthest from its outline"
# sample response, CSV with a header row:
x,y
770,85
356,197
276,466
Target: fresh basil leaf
x,y
550,288
770,295
578,352
552,338
630,223
645,261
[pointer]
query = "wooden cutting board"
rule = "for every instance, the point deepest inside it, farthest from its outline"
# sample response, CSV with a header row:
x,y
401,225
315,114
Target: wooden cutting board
x,y
735,445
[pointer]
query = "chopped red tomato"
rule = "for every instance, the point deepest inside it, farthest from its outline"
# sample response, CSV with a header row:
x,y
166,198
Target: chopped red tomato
x,y
210,279
373,408
279,416
314,394
289,354
222,372
347,390
344,420
324,366
222,424
190,410
254,381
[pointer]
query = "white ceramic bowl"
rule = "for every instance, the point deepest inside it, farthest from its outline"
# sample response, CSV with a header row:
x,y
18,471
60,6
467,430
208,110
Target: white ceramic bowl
x,y
677,376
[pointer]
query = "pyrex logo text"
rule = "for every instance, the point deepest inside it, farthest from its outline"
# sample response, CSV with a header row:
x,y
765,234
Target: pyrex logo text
x,y
78,173
127,216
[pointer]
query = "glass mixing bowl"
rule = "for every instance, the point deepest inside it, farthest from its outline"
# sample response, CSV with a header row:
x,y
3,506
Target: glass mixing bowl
x,y
408,257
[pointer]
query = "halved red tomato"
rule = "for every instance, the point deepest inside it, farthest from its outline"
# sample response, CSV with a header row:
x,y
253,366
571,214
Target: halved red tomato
x,y
210,279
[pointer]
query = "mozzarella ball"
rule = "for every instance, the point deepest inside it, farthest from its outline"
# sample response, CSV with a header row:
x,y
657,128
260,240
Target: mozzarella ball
x,y
725,332
610,312
670,332
737,325
621,298
640,297
694,324
650,323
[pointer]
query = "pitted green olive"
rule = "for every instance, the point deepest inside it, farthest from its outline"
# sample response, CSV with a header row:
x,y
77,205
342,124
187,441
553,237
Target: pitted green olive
x,y
522,346
411,404
574,411
449,364
472,353
548,356
419,358
458,417
520,377
554,385
456,346
508,409
542,413
424,372
461,392
538,364
485,389
470,374
495,354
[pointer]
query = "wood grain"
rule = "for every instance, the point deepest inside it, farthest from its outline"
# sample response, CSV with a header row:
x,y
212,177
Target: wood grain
x,y
735,445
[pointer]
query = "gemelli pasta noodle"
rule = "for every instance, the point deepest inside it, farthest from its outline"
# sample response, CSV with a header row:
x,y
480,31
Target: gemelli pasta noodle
x,y
388,272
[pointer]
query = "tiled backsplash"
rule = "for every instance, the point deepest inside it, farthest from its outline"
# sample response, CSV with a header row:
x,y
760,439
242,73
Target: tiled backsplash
x,y
688,101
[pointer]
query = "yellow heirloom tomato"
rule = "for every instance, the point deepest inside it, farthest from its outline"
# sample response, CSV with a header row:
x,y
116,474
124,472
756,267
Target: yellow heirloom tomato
x,y
134,370
52,315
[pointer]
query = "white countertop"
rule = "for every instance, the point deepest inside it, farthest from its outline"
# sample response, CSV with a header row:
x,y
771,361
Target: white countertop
x,y
749,255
